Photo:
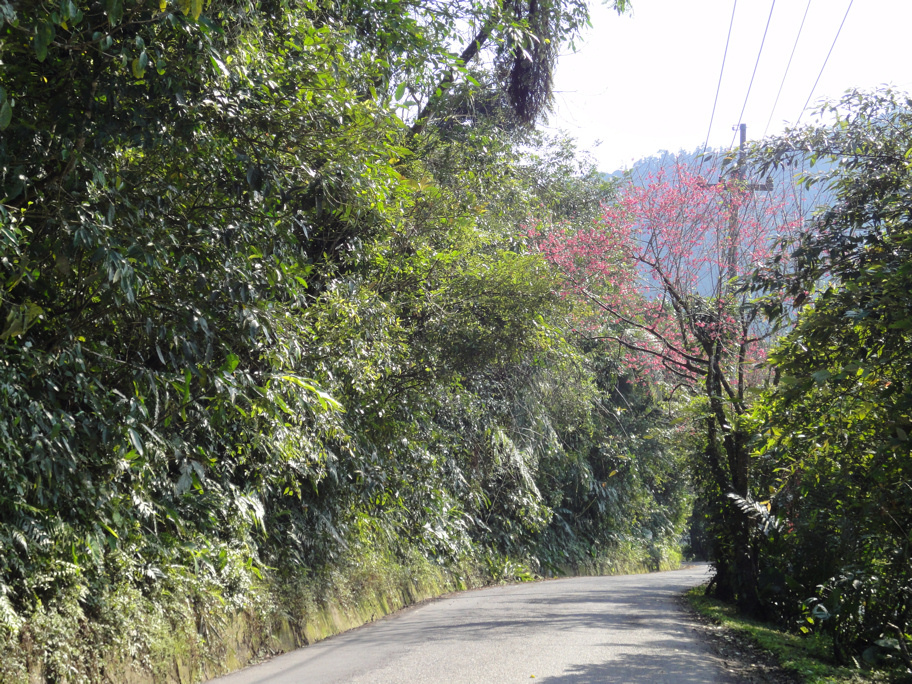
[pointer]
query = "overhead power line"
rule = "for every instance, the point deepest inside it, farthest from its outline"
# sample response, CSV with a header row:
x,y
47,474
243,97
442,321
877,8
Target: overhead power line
x,y
756,64
787,67
811,94
721,71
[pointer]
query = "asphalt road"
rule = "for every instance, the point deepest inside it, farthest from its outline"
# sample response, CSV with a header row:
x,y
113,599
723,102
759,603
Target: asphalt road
x,y
590,629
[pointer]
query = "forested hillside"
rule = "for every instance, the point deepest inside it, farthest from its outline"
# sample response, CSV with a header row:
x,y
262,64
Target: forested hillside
x,y
269,315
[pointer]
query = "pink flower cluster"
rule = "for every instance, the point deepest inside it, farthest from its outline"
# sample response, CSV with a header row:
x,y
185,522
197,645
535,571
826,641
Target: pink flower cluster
x,y
660,270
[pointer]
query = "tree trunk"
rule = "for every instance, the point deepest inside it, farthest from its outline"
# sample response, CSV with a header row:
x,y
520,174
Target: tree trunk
x,y
734,560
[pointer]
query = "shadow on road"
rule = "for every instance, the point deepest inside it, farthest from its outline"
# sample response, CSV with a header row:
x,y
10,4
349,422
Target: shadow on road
x,y
670,667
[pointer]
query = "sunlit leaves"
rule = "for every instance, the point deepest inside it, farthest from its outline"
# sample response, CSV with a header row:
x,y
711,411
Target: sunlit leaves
x,y
191,8
20,319
139,65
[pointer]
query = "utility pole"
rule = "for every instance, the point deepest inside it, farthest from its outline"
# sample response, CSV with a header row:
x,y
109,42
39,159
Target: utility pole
x,y
745,568
740,467
740,186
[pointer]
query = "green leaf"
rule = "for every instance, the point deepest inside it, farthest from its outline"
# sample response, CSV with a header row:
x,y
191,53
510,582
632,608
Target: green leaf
x,y
821,376
327,402
114,9
138,65
44,36
20,319
6,115
136,440
400,91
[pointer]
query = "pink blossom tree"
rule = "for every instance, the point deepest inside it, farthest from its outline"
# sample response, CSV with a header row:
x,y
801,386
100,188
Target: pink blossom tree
x,y
661,269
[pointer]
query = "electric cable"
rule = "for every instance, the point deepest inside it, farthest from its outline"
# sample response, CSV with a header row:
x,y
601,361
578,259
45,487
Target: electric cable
x,y
811,94
787,67
756,64
721,71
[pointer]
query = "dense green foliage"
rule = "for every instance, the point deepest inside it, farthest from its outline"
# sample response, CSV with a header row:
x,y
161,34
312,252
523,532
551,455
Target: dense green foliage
x,y
257,317
835,450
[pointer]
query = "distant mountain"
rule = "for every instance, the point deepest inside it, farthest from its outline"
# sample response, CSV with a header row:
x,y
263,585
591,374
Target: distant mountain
x,y
806,200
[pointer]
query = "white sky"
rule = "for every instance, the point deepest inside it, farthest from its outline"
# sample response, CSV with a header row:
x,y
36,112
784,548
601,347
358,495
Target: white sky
x,y
646,82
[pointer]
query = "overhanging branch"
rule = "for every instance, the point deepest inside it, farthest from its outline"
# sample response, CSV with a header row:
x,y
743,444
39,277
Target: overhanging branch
x,y
468,54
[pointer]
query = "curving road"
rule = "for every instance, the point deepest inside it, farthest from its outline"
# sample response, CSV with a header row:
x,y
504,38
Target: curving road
x,y
590,629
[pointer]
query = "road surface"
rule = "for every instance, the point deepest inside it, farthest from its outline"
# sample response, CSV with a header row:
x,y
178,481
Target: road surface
x,y
590,629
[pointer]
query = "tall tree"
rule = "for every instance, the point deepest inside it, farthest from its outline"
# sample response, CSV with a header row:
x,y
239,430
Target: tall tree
x,y
661,269
837,426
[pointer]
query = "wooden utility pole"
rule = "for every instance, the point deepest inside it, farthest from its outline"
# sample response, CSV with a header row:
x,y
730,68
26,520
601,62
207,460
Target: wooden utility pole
x,y
733,225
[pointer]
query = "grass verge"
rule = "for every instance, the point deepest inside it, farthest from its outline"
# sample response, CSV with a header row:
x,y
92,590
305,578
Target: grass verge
x,y
807,657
